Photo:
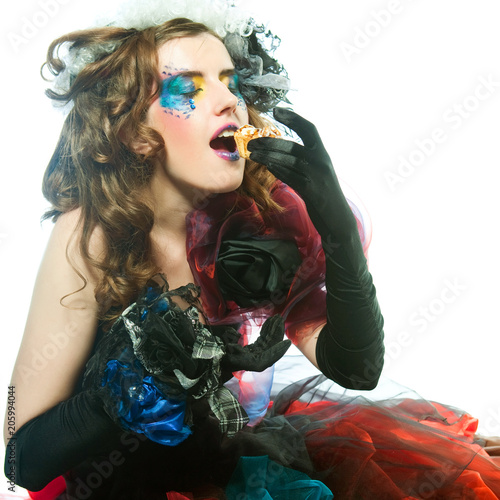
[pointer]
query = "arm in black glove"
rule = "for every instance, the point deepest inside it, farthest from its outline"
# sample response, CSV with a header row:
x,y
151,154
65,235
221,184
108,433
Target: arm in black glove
x,y
350,348
58,440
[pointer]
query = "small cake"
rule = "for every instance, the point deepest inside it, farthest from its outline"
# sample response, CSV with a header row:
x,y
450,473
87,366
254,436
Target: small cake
x,y
245,134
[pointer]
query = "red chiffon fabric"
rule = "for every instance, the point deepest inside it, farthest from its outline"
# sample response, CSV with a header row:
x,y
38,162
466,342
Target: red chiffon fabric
x,y
230,216
397,449
234,217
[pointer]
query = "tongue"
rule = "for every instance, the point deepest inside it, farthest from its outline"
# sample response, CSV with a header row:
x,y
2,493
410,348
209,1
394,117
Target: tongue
x,y
223,144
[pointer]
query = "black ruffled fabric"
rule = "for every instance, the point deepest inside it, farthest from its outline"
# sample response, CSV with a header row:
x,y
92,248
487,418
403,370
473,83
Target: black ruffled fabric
x,y
255,67
155,359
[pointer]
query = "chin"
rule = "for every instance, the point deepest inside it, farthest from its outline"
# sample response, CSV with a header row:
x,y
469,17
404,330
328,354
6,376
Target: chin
x,y
228,180
203,195
229,188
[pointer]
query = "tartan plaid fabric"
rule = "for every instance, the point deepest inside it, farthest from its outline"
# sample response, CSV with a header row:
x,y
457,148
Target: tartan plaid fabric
x,y
226,408
207,347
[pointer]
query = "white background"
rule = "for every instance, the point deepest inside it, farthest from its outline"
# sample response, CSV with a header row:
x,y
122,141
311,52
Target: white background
x,y
376,77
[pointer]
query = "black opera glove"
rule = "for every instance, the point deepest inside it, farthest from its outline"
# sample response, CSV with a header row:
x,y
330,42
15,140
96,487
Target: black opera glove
x,y
309,171
261,354
350,347
61,438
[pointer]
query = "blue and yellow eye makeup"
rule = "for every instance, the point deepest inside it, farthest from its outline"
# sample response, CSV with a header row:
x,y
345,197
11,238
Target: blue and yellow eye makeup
x,y
231,80
181,90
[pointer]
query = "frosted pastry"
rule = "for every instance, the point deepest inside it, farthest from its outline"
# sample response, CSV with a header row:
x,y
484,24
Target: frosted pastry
x,y
245,134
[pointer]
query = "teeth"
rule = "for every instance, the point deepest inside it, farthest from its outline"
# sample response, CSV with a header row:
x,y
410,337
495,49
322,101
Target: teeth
x,y
226,133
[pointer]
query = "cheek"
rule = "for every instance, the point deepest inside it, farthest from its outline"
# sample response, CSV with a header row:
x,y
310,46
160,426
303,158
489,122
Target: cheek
x,y
177,107
177,132
241,102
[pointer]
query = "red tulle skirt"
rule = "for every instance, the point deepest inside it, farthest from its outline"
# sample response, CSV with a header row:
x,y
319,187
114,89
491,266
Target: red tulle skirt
x,y
398,448
391,449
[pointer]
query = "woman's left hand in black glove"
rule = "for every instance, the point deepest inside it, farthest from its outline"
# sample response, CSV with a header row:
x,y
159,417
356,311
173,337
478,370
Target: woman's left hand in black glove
x,y
350,347
308,170
255,357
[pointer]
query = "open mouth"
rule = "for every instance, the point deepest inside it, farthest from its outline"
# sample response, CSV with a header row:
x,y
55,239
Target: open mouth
x,y
224,142
224,145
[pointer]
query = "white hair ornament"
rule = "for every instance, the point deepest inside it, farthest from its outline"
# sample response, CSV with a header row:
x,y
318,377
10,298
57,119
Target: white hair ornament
x,y
263,81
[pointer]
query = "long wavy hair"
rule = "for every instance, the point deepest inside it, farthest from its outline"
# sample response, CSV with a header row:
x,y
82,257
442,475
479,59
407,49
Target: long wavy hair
x,y
94,170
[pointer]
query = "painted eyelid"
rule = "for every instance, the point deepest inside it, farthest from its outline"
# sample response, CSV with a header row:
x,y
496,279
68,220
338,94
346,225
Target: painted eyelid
x,y
232,82
180,85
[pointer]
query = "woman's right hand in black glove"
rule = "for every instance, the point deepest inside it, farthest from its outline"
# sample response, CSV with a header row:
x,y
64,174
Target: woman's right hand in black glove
x,y
55,430
61,438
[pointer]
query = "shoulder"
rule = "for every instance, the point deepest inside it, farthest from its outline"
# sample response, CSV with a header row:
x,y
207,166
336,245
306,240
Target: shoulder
x,y
68,228
61,324
65,245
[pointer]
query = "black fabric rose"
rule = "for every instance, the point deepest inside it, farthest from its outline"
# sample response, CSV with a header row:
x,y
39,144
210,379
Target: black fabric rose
x,y
251,272
168,345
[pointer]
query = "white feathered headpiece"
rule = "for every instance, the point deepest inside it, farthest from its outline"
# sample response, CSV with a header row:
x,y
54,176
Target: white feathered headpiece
x,y
263,81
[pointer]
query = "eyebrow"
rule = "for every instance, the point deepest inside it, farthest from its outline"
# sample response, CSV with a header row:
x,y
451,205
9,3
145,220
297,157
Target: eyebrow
x,y
228,72
224,72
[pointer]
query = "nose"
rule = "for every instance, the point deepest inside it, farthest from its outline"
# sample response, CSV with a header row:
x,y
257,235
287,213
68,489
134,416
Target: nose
x,y
226,101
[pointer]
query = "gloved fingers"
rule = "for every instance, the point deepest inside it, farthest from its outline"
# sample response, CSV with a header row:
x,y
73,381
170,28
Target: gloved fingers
x,y
241,358
279,147
305,129
271,333
227,333
273,354
289,169
235,353
252,359
257,360
273,329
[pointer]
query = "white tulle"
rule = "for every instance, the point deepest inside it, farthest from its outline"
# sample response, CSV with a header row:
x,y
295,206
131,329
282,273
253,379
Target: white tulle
x,y
231,23
219,15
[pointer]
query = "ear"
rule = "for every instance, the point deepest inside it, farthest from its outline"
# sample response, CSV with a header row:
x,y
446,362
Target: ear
x,y
137,145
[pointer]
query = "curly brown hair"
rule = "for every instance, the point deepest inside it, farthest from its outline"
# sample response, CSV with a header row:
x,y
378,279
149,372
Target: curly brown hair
x,y
93,169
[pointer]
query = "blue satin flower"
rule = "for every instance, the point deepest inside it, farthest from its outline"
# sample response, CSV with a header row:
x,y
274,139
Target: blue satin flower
x,y
160,306
142,404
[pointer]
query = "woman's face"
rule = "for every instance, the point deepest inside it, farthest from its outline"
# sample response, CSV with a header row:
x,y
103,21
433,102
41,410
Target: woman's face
x,y
199,104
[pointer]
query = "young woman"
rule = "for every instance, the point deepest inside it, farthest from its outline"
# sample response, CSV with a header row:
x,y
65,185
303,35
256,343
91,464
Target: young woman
x,y
168,252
